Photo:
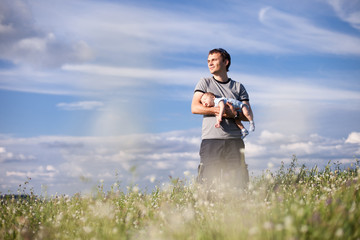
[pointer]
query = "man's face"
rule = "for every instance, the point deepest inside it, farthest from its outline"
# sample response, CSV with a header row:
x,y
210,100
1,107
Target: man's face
x,y
207,101
216,63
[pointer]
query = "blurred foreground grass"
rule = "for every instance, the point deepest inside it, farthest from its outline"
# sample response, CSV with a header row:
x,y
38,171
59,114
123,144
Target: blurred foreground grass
x,y
292,203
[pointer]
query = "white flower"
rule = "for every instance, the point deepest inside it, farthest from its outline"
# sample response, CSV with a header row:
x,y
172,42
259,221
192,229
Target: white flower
x,y
288,221
267,225
253,231
87,229
187,173
339,232
102,210
279,227
135,189
304,228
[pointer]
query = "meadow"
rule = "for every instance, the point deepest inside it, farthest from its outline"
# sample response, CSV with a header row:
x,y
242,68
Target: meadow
x,y
292,202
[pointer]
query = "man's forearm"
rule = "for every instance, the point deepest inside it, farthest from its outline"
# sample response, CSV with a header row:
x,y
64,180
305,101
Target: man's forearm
x,y
205,110
198,108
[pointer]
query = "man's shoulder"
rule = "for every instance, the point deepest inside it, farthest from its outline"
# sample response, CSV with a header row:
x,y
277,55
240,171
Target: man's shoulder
x,y
206,79
234,81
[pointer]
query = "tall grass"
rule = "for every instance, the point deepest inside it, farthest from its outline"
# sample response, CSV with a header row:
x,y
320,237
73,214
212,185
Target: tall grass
x,y
293,202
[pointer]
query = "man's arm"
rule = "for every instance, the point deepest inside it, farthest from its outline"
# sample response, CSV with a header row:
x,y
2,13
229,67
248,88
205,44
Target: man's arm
x,y
198,108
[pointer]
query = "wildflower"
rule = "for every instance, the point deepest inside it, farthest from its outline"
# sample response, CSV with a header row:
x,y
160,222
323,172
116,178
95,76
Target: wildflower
x,y
288,220
279,227
304,228
270,178
87,229
152,179
253,231
102,210
21,220
187,173
339,232
188,214
270,165
300,212
135,189
352,208
267,225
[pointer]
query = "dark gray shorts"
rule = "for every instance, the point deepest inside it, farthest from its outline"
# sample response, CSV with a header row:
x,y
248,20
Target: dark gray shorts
x,y
223,159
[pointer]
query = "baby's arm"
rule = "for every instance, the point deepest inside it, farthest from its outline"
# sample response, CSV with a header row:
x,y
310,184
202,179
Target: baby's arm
x,y
221,112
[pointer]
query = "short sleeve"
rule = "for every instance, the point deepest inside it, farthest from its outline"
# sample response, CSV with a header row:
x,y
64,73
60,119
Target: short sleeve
x,y
201,86
243,96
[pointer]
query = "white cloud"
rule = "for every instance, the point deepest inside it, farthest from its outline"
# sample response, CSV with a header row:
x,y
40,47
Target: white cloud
x,y
83,105
269,137
40,172
50,168
347,10
353,137
192,164
180,76
25,43
142,32
302,147
6,156
299,33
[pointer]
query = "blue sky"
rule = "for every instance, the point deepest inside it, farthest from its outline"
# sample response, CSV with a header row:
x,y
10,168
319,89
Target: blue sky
x,y
90,89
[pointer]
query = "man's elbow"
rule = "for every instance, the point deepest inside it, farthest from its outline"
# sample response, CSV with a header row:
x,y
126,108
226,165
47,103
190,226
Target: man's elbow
x,y
193,110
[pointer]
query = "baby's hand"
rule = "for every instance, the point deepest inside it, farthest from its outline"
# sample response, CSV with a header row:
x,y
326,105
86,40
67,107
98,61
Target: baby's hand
x,y
218,119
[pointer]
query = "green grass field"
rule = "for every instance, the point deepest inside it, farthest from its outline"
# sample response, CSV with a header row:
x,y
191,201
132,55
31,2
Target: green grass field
x,y
293,202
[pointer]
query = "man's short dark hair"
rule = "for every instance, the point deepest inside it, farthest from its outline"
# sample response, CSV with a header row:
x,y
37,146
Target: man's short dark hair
x,y
224,54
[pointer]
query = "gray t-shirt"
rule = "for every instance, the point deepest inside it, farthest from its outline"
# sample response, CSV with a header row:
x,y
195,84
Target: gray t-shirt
x,y
229,89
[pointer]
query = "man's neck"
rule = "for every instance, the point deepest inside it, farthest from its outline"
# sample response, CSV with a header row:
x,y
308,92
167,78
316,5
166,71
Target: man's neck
x,y
221,77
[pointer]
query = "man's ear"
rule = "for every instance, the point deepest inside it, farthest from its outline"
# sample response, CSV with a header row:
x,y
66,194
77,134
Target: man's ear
x,y
226,62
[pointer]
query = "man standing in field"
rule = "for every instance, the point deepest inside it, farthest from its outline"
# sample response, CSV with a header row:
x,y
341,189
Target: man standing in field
x,y
222,149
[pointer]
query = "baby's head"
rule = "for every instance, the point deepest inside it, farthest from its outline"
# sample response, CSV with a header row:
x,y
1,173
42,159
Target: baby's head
x,y
207,99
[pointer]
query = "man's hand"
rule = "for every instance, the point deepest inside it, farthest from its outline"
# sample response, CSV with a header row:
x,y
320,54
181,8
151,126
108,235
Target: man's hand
x,y
230,111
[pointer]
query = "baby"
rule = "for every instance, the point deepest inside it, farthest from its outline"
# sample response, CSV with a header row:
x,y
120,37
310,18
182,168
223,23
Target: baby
x,y
209,100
